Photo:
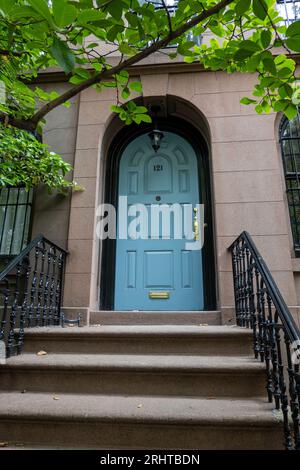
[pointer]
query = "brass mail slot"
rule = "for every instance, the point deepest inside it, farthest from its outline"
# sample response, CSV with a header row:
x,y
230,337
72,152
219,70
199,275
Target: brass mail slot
x,y
159,295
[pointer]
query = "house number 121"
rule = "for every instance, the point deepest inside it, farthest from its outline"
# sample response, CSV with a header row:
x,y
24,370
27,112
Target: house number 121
x,y
158,168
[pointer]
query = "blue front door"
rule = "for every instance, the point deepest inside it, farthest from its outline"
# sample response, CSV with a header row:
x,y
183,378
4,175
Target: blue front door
x,y
158,273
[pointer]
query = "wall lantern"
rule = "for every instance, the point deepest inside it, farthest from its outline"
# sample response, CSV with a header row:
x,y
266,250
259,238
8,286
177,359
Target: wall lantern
x,y
156,135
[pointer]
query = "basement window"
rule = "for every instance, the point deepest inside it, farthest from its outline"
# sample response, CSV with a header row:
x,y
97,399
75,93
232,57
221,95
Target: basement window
x,y
290,151
15,216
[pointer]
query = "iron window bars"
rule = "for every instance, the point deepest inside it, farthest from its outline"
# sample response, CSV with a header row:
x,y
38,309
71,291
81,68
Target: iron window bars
x,y
289,134
15,217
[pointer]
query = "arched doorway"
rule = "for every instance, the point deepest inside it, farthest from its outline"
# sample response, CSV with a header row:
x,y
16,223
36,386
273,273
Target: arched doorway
x,y
130,278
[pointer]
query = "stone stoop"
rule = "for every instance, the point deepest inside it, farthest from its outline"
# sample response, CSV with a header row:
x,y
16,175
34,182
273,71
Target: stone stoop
x,y
127,386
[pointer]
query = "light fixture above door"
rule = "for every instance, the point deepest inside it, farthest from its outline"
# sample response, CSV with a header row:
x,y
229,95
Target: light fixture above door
x,y
156,135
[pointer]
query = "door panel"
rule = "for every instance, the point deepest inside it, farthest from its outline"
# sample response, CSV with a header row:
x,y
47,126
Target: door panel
x,y
160,266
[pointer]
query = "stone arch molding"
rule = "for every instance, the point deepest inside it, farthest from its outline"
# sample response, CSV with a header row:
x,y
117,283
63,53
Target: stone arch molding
x,y
173,108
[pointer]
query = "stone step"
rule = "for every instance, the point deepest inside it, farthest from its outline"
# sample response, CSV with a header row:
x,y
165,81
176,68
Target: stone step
x,y
137,422
154,318
141,339
135,374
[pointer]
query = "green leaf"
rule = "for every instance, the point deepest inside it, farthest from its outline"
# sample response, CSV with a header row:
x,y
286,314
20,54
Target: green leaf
x,y
242,6
270,66
293,43
285,72
249,45
125,93
141,109
136,86
290,111
63,13
123,77
83,73
126,49
41,6
114,31
132,19
63,55
76,80
184,48
115,8
24,12
293,29
260,8
285,91
89,15
6,7
246,100
265,38
138,118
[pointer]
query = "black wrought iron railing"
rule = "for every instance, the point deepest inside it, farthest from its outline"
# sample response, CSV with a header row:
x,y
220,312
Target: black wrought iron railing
x,y
31,287
276,338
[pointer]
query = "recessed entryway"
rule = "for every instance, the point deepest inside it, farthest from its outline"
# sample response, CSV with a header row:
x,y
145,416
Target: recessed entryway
x,y
158,274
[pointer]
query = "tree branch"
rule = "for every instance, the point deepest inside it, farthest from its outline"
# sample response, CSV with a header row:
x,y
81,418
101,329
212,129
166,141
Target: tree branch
x,y
107,73
7,53
168,15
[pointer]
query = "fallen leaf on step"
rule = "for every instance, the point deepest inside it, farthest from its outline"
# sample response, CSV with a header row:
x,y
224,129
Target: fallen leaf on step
x,y
140,405
203,324
41,353
55,398
23,391
3,444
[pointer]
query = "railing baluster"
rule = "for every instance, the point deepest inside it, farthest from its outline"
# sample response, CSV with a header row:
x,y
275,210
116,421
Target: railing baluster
x,y
24,305
31,291
260,306
293,394
52,286
11,343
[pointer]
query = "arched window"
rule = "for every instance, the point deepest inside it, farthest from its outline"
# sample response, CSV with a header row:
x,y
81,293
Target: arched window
x,y
290,150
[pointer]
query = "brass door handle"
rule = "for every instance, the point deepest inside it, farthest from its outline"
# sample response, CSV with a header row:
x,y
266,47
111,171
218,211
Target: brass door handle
x,y
196,224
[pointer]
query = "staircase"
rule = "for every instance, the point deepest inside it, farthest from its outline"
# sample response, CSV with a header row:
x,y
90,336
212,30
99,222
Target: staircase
x,y
185,384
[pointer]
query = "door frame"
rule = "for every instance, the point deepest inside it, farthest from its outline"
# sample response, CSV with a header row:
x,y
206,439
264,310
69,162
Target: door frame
x,y
115,152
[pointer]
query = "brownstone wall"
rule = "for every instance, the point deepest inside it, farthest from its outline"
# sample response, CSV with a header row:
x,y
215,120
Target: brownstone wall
x,y
51,212
247,179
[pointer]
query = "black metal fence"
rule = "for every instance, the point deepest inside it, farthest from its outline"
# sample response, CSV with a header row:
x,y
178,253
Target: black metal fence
x,y
31,287
276,337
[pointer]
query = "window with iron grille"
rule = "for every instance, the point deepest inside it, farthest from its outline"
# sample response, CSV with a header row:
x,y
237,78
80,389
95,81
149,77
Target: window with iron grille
x,y
289,10
290,149
15,216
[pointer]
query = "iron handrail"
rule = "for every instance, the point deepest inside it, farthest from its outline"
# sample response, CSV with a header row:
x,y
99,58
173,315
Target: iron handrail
x,y
260,307
31,291
16,259
284,313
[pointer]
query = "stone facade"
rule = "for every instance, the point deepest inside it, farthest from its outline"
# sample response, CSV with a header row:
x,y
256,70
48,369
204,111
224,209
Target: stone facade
x,y
248,185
